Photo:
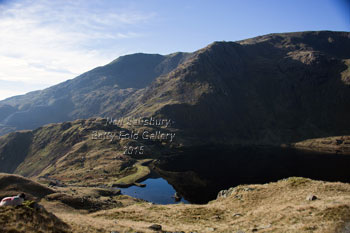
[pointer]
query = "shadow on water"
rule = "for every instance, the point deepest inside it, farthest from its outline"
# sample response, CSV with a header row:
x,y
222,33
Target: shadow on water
x,y
198,174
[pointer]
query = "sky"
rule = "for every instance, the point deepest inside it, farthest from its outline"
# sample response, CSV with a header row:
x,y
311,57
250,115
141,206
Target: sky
x,y
45,42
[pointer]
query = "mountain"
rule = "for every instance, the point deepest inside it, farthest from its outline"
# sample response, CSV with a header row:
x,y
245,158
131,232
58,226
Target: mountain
x,y
272,89
93,93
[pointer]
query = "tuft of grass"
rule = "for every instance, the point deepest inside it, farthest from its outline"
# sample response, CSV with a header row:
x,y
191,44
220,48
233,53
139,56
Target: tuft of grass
x,y
29,204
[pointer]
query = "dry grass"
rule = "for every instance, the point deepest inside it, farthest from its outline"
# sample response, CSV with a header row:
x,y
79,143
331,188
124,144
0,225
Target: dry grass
x,y
274,207
25,219
13,184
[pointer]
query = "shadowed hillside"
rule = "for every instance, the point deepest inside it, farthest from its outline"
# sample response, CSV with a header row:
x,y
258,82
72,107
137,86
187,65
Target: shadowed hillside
x,y
272,89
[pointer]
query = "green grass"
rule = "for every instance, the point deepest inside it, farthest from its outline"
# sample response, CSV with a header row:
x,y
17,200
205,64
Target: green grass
x,y
140,173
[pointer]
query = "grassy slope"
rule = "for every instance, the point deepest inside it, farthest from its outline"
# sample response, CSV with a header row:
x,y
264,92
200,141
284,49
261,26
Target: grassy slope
x,y
25,219
34,218
14,184
13,149
273,207
67,152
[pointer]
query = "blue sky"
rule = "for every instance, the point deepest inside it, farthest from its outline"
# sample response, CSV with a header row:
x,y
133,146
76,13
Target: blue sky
x,y
45,42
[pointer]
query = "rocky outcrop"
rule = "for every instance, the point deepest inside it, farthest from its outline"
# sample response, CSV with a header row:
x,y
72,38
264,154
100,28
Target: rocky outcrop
x,y
335,145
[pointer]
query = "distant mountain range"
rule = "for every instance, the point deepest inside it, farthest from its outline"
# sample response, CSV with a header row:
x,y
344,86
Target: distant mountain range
x,y
272,89
98,92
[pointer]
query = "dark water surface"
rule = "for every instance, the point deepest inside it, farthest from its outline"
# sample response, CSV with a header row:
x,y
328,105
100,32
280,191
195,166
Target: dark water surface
x,y
198,174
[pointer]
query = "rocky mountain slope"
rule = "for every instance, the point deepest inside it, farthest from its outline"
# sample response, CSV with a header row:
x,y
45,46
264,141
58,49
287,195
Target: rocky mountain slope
x,y
93,93
272,89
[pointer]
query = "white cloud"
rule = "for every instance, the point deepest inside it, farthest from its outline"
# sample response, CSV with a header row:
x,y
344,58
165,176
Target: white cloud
x,y
46,42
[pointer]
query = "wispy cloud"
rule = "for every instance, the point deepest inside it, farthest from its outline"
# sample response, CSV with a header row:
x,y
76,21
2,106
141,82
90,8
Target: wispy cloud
x,y
46,42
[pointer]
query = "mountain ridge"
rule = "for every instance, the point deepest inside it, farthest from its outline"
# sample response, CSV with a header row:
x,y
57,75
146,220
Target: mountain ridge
x,y
297,73
271,89
88,89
